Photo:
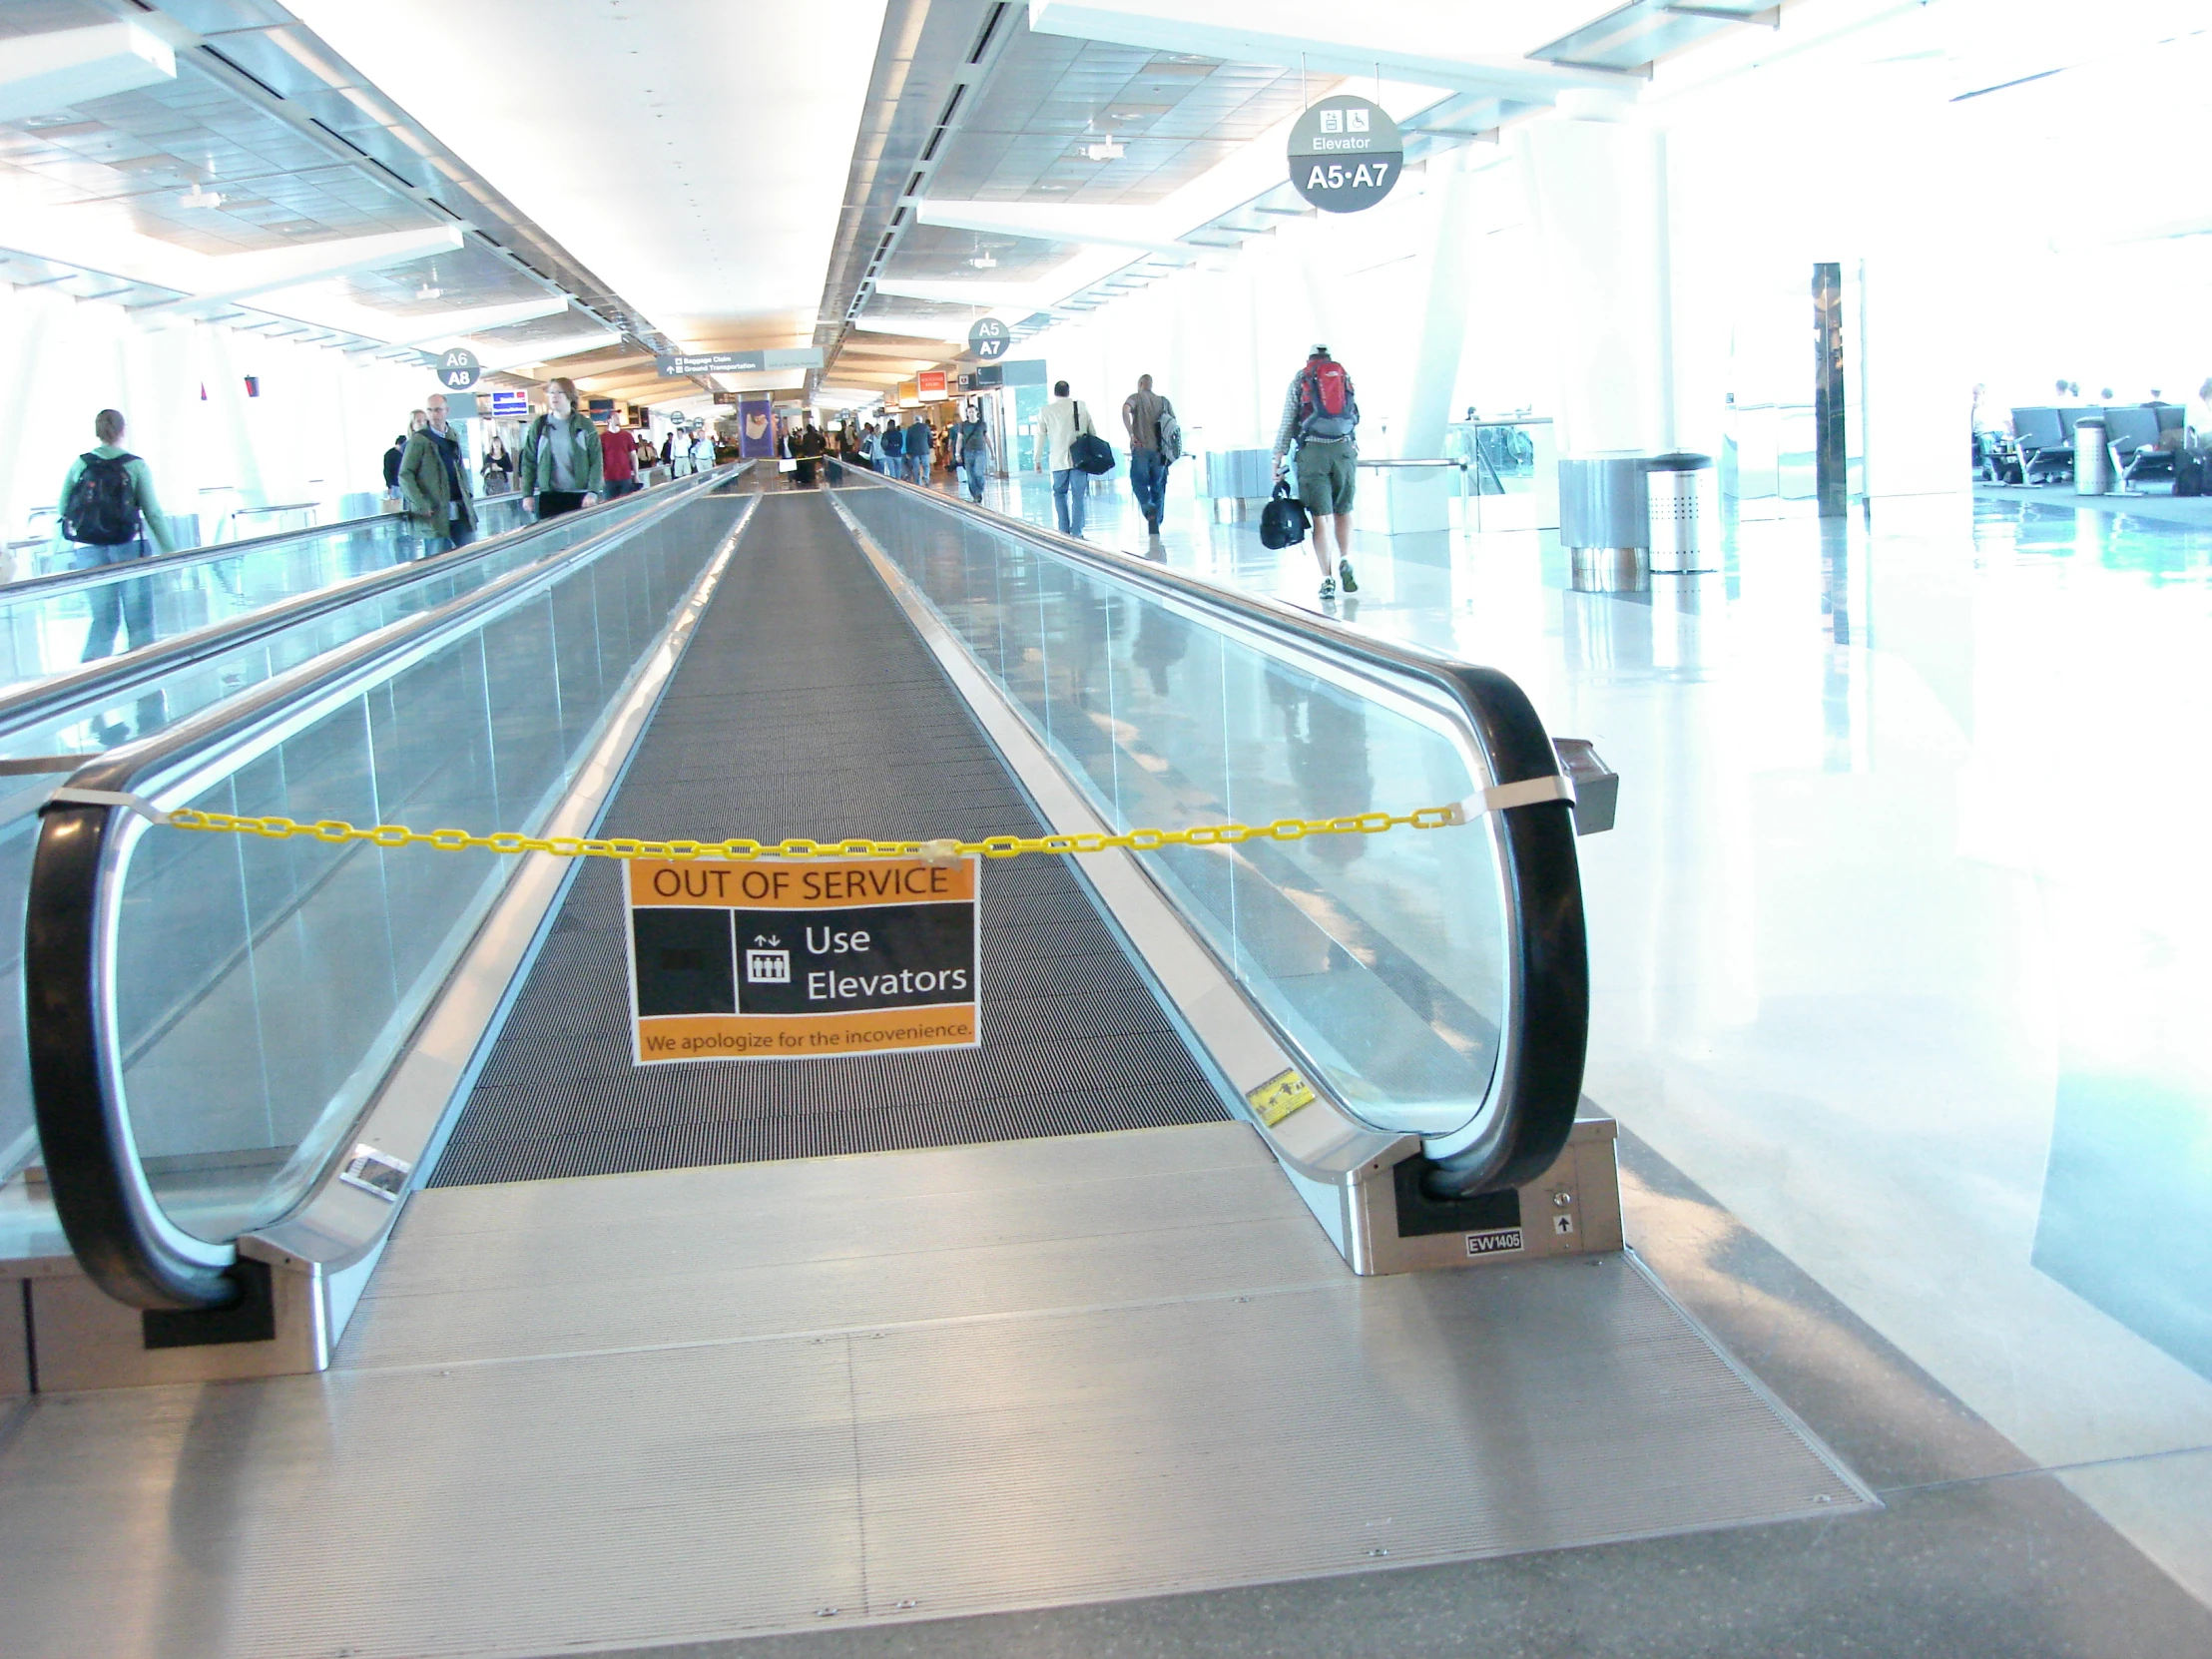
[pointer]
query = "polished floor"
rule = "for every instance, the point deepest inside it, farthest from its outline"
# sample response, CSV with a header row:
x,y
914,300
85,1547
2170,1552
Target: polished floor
x,y
1900,949
607,1411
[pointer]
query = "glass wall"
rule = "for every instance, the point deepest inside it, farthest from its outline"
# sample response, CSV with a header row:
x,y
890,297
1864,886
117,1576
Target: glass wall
x,y
45,629
264,987
1382,958
98,721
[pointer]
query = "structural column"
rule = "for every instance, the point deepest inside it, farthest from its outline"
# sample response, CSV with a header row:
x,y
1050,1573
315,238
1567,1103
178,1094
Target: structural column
x,y
1597,199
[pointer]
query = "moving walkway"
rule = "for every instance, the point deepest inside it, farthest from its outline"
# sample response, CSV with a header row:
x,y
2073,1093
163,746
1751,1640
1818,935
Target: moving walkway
x,y
225,619
860,1334
219,1022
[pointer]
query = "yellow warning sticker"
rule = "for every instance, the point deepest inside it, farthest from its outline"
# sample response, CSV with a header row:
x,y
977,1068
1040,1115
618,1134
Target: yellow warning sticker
x,y
1279,1097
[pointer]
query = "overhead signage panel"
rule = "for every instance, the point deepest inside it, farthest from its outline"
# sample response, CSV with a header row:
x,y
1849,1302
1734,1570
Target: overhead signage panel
x,y
674,365
930,385
989,340
458,370
791,960
1346,155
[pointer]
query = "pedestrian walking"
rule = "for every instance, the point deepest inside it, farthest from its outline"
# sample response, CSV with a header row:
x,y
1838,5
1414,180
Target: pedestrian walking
x,y
561,467
1143,414
499,467
974,436
1322,415
110,512
618,459
434,487
1062,419
918,442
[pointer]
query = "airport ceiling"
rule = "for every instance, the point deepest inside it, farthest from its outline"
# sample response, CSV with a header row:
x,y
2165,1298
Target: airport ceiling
x,y
574,185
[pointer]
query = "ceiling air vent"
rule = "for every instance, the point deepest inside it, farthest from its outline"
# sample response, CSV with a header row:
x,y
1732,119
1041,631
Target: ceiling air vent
x,y
991,28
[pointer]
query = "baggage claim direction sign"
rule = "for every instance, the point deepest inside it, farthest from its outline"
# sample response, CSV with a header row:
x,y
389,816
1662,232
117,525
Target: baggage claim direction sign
x,y
772,960
1346,155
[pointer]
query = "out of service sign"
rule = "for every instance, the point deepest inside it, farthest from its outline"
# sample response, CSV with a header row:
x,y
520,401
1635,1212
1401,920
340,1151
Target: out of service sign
x,y
772,960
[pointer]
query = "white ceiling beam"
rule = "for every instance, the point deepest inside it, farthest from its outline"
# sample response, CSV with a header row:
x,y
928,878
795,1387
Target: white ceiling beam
x,y
456,327
913,327
232,277
1404,41
40,74
986,295
1052,222
547,354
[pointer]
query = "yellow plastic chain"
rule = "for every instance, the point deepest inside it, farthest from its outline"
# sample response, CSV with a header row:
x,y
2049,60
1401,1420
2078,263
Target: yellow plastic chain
x,y
740,851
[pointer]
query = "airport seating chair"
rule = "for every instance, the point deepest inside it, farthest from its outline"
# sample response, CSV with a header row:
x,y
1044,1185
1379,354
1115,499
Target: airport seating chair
x,y
2045,438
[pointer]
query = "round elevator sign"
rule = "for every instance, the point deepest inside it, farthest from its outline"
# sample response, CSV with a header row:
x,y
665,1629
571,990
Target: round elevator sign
x,y
989,338
458,370
1346,154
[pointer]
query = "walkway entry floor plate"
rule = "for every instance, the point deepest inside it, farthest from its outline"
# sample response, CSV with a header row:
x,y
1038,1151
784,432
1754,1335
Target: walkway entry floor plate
x,y
628,1409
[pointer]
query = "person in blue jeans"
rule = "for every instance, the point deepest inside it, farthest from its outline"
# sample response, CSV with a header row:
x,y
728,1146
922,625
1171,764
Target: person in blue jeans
x,y
111,521
917,442
1057,426
1148,462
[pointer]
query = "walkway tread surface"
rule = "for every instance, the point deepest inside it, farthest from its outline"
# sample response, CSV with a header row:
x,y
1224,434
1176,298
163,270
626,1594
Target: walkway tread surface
x,y
806,706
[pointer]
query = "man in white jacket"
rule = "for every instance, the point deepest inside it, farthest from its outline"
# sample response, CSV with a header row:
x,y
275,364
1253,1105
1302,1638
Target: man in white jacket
x,y
1062,418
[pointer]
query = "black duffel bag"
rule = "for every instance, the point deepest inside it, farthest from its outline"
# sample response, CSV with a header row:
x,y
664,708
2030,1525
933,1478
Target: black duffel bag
x,y
1091,453
1282,521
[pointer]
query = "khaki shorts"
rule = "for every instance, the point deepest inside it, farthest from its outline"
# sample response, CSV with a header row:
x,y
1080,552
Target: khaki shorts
x,y
1327,473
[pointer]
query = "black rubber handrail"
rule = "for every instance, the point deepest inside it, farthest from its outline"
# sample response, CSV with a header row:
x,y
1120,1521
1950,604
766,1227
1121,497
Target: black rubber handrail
x,y
111,679
1542,1049
119,1234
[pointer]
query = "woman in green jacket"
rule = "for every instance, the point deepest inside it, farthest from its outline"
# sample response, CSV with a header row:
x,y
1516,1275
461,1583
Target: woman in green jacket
x,y
560,467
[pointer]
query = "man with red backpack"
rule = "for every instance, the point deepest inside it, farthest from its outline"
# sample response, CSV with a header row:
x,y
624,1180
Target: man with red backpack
x,y
1321,415
108,511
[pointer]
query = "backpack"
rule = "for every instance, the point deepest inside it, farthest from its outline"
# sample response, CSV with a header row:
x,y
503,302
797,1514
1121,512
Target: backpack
x,y
1088,452
2188,472
1171,436
1326,405
103,508
1282,521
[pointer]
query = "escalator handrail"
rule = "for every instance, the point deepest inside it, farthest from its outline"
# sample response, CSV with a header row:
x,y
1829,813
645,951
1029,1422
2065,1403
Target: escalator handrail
x,y
117,676
1537,1086
107,1210
42,587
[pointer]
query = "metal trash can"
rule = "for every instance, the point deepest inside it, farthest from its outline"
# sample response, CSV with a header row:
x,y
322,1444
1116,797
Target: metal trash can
x,y
2092,458
1674,488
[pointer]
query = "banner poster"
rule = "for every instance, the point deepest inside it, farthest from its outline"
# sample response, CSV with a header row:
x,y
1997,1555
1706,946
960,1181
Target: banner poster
x,y
755,428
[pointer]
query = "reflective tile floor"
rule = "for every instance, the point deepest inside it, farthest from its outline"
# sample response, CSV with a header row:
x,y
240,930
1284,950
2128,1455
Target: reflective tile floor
x,y
1903,945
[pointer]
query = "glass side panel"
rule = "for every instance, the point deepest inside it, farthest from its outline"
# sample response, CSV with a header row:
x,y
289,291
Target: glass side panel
x,y
1382,958
96,722
122,606
262,987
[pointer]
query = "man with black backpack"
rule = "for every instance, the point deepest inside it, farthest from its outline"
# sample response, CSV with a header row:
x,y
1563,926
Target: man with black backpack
x,y
108,511
1321,415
